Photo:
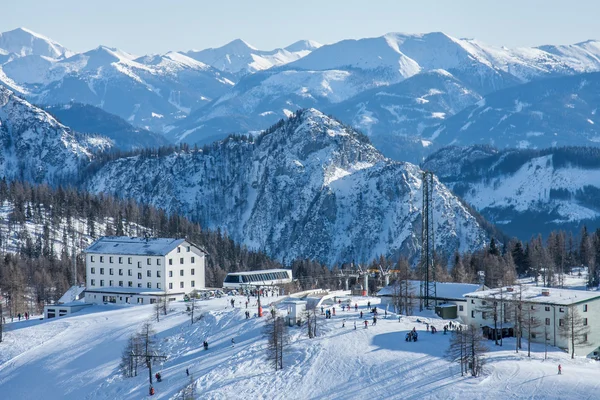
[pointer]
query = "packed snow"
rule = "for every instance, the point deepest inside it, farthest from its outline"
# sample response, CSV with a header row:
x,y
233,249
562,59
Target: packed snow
x,y
78,357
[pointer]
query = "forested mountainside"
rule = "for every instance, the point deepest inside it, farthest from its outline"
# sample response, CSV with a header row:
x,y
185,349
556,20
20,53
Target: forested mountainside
x,y
84,118
307,187
41,228
36,147
547,113
525,192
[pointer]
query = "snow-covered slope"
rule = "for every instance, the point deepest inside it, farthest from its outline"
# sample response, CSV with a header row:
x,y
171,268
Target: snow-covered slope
x,y
307,187
240,58
78,357
35,147
23,42
551,112
525,192
88,119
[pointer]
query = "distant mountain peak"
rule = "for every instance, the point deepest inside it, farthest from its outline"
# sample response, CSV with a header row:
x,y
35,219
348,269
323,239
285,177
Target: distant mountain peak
x,y
303,45
24,42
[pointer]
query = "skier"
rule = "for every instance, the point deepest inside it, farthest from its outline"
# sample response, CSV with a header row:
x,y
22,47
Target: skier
x,y
344,323
187,371
374,320
355,306
205,344
333,309
151,390
445,329
366,324
361,315
354,325
232,342
232,303
559,369
322,310
385,315
369,304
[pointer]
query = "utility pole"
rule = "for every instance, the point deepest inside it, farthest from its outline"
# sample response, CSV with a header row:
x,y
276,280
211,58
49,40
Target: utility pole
x,y
149,358
428,286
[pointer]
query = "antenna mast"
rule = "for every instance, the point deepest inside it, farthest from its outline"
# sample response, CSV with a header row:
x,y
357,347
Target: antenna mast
x,y
428,287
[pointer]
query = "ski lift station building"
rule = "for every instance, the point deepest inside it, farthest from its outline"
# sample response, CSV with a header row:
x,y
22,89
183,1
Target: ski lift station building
x,y
133,270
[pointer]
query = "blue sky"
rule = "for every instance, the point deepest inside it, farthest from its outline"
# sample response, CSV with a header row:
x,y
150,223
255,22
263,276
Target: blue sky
x,y
152,26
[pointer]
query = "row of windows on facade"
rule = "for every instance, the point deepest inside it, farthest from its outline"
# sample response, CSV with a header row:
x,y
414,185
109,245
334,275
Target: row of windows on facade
x,y
269,276
139,264
561,321
546,308
139,285
111,271
140,300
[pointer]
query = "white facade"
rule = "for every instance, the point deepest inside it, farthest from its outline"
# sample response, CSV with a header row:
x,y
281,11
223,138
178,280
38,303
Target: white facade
x,y
62,310
138,267
547,305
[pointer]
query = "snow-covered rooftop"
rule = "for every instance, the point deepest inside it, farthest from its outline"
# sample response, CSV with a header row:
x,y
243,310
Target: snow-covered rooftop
x,y
133,245
74,293
533,294
125,290
444,290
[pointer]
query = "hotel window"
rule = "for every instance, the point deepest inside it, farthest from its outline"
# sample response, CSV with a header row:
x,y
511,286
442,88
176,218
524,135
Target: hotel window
x,y
547,321
585,335
192,271
93,282
149,274
585,308
111,271
170,274
139,285
110,259
101,271
181,272
193,283
120,271
158,285
547,308
120,283
93,270
561,322
188,249
149,285
140,300
92,258
139,275
120,260
101,282
158,274
111,283
461,308
472,314
129,272
181,260
181,285
158,261
533,308
484,315
193,260
585,322
139,264
129,261
170,286
101,258
179,249
130,284
561,310
149,261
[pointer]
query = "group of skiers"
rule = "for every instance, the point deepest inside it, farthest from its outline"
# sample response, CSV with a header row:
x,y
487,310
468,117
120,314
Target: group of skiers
x,y
412,336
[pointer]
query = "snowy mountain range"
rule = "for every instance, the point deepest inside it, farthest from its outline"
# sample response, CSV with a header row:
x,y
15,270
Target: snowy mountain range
x,y
37,148
307,187
547,113
525,192
394,87
88,119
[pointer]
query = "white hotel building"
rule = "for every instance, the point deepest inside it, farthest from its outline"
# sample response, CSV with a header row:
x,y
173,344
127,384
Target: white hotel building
x,y
547,305
121,269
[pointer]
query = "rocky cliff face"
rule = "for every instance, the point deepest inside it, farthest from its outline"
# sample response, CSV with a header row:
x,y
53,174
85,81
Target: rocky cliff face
x,y
307,187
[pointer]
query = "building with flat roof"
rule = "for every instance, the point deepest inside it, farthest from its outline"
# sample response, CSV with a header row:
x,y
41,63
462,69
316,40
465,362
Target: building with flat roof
x,y
132,270
547,306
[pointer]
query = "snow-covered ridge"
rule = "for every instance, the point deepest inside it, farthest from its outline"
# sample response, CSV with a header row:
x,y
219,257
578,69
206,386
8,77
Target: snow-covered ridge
x,y
308,187
38,148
